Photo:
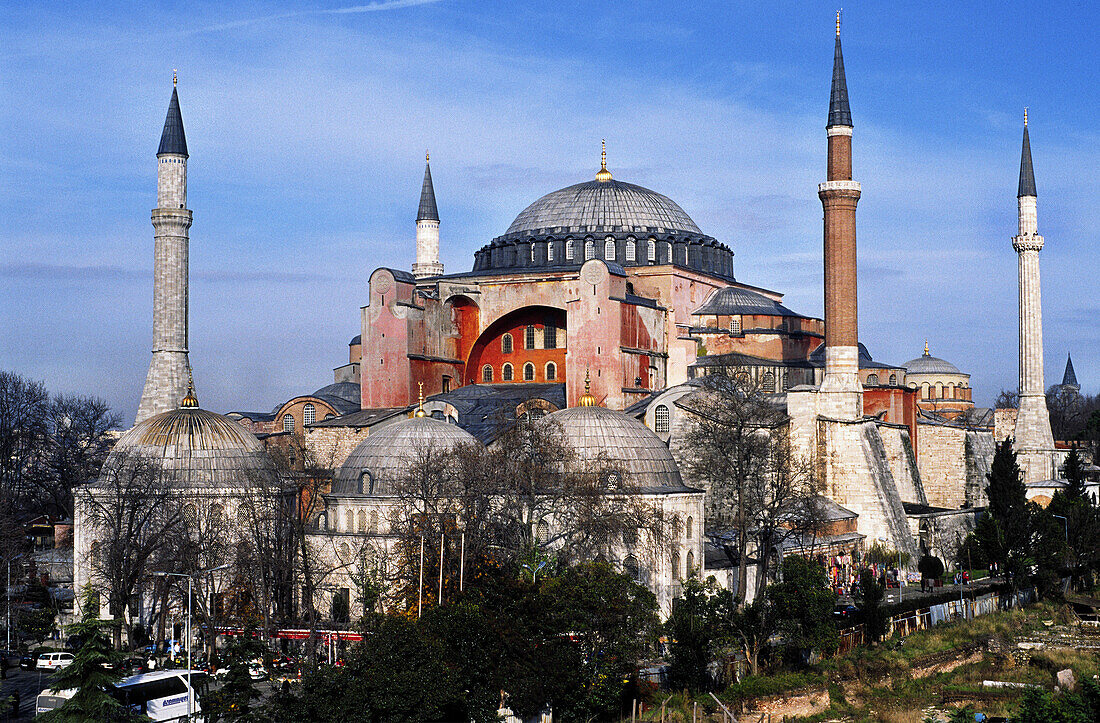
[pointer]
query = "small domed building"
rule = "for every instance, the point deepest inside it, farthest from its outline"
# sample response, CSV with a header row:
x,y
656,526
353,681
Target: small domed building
x,y
942,388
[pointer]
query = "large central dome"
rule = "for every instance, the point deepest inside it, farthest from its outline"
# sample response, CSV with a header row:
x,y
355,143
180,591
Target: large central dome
x,y
601,206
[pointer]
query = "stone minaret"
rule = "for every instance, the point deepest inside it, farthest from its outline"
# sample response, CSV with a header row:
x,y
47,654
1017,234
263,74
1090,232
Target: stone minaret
x,y
427,229
1034,442
841,391
166,383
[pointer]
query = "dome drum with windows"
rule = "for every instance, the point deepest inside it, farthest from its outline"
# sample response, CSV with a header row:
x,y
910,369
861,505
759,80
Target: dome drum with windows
x,y
605,219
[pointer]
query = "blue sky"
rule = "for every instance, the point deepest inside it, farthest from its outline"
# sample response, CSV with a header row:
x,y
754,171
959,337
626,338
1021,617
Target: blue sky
x,y
307,124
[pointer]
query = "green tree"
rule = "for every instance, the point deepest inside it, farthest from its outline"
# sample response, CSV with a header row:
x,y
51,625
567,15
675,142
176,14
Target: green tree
x,y
1005,531
804,608
472,647
691,633
749,627
37,624
91,673
869,598
233,701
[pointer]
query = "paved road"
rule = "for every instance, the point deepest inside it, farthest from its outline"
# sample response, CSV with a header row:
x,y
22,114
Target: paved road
x,y
912,590
29,684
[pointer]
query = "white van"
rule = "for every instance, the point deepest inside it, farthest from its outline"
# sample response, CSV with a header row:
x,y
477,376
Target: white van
x,y
162,694
49,700
53,661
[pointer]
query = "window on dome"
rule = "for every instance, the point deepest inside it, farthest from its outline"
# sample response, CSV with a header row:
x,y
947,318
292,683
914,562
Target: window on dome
x,y
550,250
309,414
893,380
660,419
506,373
528,372
768,383
529,337
532,245
362,519
487,373
551,371
651,250
288,423
589,249
366,483
506,344
631,250
568,249
872,380
609,249
549,337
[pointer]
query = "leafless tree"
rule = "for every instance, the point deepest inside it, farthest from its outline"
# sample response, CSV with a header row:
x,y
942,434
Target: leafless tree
x,y
133,511
1007,399
24,414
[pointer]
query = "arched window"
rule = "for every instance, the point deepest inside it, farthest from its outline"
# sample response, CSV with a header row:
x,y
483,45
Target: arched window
x,y
486,373
529,337
689,528
506,373
925,390
551,371
735,324
568,249
309,414
362,516
549,337
675,565
631,250
939,390
690,570
528,372
349,521
373,529
677,527
366,483
322,521
532,246
768,383
506,344
660,419
609,249
893,380
630,567
217,515
651,250
630,536
589,249
550,250
345,551
872,380
288,423
542,532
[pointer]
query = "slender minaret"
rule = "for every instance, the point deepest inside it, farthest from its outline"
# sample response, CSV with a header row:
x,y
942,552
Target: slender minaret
x,y
166,383
841,392
1034,442
427,229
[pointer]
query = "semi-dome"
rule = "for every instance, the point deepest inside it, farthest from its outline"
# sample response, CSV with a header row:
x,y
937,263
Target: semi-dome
x,y
597,435
378,463
928,364
598,206
194,447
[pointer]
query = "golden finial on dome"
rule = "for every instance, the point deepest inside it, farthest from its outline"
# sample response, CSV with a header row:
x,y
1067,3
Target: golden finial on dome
x,y
420,403
587,400
173,77
838,21
603,175
926,348
1025,116
190,401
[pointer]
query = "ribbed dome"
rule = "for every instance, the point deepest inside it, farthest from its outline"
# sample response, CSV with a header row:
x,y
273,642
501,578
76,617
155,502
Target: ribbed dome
x,y
388,454
194,446
927,364
735,300
601,206
596,435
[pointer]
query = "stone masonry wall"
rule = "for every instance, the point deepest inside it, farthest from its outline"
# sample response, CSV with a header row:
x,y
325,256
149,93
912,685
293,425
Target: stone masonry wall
x,y
941,458
332,445
903,465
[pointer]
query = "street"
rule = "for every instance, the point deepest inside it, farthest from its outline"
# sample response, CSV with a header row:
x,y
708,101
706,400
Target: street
x,y
29,684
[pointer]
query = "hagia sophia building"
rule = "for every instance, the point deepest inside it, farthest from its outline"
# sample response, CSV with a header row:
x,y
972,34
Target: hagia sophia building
x,y
603,305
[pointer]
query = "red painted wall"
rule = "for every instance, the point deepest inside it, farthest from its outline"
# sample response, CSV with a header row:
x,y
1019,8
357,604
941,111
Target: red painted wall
x,y
488,348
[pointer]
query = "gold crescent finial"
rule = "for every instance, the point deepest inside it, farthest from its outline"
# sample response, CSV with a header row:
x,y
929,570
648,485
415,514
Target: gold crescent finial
x,y
174,78
838,12
190,401
926,348
427,157
587,400
603,175
1025,116
420,403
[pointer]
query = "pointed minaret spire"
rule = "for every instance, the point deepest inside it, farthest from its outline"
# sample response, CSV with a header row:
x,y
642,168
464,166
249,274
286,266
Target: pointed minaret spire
x,y
172,139
1069,379
427,228
1027,171
839,112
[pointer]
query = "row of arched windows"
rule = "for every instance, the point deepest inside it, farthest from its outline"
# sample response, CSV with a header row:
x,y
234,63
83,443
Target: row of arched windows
x,y
507,372
942,391
354,521
530,339
630,250
309,416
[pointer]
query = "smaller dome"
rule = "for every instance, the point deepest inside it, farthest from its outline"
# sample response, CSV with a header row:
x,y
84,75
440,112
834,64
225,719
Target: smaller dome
x,y
928,364
735,300
378,463
597,434
198,447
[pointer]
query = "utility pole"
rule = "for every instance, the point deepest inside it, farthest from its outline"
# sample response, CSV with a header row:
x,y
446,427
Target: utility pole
x,y
7,594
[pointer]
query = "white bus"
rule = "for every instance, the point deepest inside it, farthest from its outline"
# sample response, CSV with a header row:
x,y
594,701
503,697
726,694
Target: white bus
x,y
162,695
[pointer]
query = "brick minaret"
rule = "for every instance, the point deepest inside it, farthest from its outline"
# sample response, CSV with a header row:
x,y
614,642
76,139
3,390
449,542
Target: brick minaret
x,y
841,391
166,383
427,229
1034,442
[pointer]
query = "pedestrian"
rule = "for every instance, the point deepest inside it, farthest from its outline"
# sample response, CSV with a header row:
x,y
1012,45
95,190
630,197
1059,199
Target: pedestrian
x,y
966,577
15,704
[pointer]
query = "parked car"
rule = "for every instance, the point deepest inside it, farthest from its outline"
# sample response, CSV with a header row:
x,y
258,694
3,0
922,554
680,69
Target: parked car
x,y
27,662
53,661
843,612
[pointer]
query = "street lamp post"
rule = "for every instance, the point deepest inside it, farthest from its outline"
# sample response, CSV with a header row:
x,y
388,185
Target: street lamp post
x,y
7,593
1066,522
190,577
535,571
